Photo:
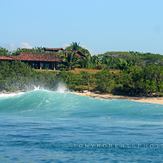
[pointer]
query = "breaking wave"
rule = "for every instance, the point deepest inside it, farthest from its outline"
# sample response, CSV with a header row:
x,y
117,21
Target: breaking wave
x,y
64,103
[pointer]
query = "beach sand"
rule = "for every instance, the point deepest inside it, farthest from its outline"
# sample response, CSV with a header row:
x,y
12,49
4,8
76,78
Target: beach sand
x,y
154,100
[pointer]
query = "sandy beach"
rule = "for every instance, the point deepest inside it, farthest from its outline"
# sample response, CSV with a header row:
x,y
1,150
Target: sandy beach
x,y
154,100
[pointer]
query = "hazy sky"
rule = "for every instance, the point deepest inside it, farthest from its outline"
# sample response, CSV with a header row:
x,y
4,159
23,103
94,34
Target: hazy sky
x,y
99,25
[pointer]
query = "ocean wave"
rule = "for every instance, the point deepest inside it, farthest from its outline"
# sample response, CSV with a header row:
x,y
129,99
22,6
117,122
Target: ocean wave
x,y
47,103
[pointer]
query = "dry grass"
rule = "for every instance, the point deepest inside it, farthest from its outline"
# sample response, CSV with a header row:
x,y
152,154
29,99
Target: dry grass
x,y
79,70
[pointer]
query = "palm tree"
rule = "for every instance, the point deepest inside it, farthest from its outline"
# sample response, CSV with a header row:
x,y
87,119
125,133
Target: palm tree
x,y
76,56
75,46
71,60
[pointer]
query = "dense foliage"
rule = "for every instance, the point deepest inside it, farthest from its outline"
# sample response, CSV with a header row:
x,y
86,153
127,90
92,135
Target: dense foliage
x,y
122,73
16,76
33,50
4,52
135,81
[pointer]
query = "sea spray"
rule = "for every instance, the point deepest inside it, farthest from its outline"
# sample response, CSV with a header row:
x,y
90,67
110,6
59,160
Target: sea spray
x,y
61,88
36,88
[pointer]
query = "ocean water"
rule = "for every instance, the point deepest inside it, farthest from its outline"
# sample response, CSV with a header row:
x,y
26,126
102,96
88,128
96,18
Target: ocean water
x,y
45,126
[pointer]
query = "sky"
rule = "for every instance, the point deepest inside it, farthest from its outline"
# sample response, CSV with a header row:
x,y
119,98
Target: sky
x,y
98,25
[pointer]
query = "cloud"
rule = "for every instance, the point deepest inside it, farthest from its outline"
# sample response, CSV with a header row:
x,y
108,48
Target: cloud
x,y
65,45
89,49
12,47
25,45
9,46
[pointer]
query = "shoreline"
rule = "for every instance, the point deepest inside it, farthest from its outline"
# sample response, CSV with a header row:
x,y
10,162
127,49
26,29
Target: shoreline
x,y
152,100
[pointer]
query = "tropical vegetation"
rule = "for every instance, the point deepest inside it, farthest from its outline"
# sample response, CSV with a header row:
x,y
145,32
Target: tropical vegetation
x,y
120,73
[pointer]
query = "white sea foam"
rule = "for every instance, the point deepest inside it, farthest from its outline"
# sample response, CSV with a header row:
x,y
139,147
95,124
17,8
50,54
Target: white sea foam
x,y
6,95
13,94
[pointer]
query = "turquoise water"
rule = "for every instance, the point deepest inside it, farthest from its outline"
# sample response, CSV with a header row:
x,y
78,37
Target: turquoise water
x,y
46,126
